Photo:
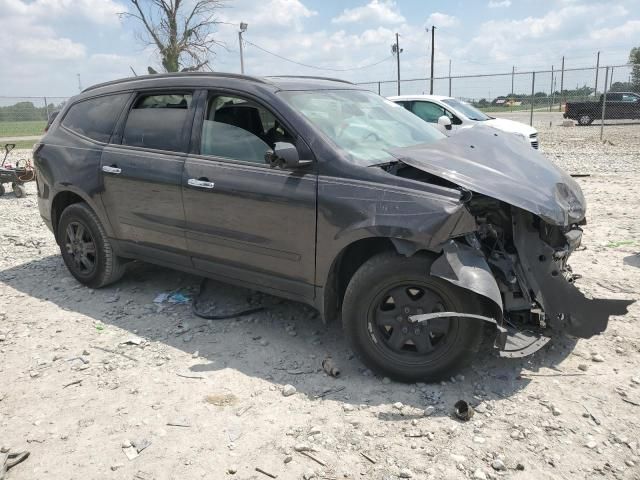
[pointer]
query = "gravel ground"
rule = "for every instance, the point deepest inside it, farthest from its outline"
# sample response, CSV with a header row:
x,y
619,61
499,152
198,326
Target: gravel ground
x,y
89,377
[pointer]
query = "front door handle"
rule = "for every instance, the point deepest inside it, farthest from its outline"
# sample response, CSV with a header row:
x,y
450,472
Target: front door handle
x,y
200,183
114,170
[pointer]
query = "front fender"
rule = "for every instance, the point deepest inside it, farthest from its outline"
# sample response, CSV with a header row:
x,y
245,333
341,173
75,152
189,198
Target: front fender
x,y
467,268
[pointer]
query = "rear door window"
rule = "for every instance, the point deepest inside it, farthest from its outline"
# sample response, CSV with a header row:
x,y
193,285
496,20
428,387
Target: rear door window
x,y
157,121
95,118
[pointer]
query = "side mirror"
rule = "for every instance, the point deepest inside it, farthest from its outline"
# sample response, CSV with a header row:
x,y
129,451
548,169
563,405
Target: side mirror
x,y
284,155
444,122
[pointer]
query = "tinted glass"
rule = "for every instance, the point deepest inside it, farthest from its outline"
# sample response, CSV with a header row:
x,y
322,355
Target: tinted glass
x,y
95,118
627,97
429,112
239,129
157,121
362,124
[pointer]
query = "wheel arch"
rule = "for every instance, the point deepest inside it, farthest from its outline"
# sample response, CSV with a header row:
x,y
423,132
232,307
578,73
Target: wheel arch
x,y
69,196
347,262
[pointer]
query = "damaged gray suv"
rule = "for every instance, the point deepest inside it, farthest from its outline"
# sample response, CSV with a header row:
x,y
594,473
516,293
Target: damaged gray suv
x,y
321,192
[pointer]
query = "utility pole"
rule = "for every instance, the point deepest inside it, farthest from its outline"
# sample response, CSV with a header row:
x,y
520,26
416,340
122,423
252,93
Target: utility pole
x,y
595,90
396,50
513,72
561,85
449,77
243,28
79,83
433,49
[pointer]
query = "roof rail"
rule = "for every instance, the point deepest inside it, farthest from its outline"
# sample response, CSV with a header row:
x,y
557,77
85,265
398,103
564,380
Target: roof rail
x,y
312,78
174,75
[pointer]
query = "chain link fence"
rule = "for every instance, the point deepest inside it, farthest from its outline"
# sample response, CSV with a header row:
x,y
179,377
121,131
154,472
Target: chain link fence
x,y
544,99
23,119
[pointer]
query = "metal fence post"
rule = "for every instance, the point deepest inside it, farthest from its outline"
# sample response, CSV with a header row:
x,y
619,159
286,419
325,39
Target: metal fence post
x,y
604,101
561,85
551,90
378,88
533,92
46,107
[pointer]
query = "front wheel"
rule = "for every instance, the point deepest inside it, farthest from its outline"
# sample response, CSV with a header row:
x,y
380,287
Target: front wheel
x,y
86,249
382,295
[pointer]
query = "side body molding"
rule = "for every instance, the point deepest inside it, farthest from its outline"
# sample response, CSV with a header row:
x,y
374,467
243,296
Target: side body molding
x,y
467,268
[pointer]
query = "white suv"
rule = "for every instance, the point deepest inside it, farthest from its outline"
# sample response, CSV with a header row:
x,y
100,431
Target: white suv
x,y
450,115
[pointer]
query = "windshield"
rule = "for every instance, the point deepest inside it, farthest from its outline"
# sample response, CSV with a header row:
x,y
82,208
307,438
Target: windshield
x,y
362,124
469,111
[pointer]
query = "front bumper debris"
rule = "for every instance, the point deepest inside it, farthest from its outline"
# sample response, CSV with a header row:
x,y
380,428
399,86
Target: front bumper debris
x,y
510,342
567,309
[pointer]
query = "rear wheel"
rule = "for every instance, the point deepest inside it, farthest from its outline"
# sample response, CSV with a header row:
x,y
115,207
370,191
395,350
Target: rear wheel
x,y
86,249
585,119
2,190
380,298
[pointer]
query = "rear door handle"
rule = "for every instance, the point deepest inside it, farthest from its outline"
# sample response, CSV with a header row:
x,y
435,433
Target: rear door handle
x,y
113,170
195,182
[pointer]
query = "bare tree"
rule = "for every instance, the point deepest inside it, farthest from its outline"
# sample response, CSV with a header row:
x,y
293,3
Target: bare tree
x,y
181,30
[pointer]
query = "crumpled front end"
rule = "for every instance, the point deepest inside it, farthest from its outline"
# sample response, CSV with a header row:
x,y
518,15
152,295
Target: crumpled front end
x,y
543,253
519,264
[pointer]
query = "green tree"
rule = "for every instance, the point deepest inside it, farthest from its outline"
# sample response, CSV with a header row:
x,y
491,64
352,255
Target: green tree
x,y
181,30
634,59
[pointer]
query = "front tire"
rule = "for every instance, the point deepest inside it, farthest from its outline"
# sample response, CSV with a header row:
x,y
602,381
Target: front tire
x,y
86,249
380,297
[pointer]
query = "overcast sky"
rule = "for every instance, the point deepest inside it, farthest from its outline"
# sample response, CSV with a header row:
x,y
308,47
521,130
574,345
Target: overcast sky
x,y
44,44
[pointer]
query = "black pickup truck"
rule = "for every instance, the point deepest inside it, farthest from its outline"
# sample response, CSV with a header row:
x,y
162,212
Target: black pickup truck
x,y
620,105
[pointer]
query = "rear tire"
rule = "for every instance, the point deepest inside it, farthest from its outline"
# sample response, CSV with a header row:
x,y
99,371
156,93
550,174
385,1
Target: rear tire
x,y
86,249
585,119
381,295
2,190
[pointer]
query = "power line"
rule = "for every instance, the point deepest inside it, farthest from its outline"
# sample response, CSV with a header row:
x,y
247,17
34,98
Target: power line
x,y
313,66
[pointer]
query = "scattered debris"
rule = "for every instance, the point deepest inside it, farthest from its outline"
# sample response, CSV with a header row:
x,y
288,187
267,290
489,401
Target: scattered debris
x,y
288,390
264,472
632,402
329,367
498,465
179,422
9,459
75,382
368,457
188,375
405,473
463,410
329,391
307,454
221,399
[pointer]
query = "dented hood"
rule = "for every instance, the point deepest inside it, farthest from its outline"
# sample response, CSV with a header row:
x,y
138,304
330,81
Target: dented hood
x,y
503,167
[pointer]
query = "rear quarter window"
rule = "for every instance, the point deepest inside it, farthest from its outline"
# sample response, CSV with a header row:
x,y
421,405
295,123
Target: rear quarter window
x,y
95,118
